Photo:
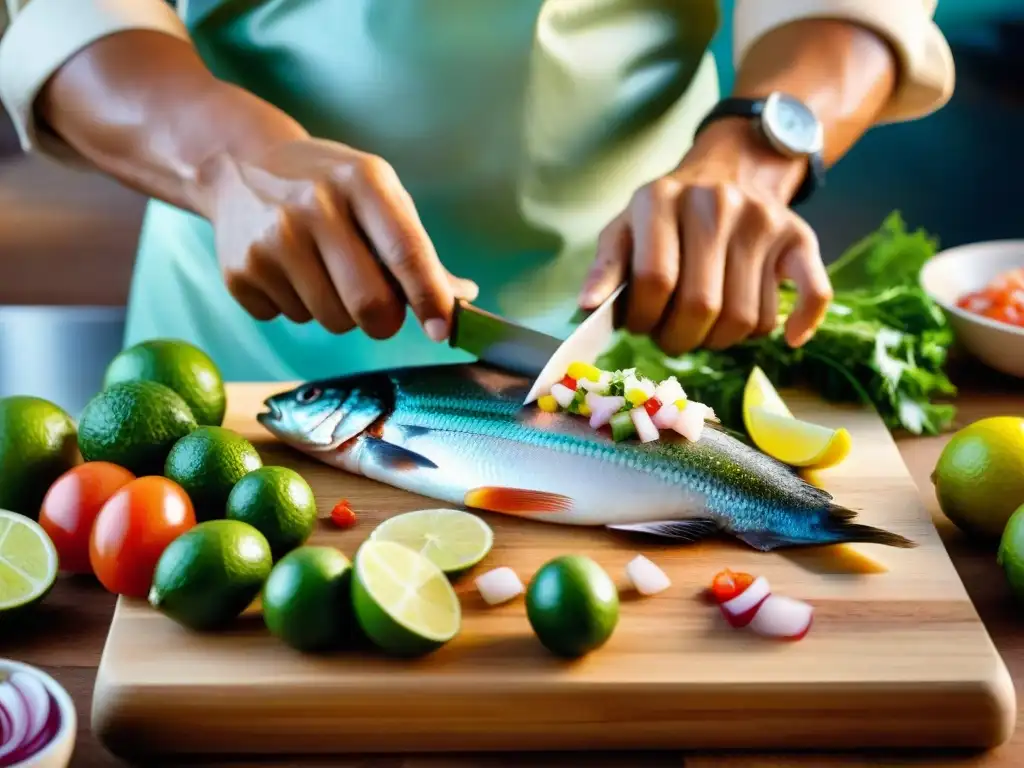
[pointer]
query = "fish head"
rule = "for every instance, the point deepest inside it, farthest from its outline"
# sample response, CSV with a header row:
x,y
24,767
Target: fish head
x,y
322,416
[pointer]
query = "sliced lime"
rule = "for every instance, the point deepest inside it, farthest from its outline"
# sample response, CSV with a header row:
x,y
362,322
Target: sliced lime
x,y
403,602
28,561
454,540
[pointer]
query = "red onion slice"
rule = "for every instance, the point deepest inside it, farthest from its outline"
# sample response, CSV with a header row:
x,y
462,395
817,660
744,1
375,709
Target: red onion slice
x,y
48,732
740,610
783,617
13,703
37,701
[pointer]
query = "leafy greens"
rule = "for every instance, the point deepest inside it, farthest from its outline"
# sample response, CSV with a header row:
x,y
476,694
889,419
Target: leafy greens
x,y
883,342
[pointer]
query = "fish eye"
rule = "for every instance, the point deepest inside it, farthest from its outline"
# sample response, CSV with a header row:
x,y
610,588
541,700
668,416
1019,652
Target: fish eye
x,y
307,395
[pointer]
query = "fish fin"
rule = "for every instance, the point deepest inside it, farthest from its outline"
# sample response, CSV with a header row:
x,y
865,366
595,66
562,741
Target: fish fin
x,y
516,501
837,529
397,457
686,530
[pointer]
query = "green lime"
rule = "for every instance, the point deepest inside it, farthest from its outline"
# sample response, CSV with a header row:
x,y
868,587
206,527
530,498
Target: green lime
x,y
979,478
212,572
453,539
179,365
28,562
278,503
572,605
208,463
403,602
307,601
37,445
134,425
1011,552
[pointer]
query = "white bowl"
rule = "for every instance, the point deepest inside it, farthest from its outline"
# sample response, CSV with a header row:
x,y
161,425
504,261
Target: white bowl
x,y
56,754
965,268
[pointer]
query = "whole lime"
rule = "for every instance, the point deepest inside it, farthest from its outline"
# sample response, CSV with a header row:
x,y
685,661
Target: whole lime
x,y
208,463
572,605
207,576
278,503
37,445
307,601
1011,552
134,425
979,477
180,366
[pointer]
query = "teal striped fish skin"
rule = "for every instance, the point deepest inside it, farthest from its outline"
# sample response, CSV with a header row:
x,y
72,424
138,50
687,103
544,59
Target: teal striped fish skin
x,y
442,431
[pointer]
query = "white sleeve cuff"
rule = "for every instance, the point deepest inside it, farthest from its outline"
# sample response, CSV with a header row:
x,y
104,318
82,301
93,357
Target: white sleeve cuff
x,y
927,73
45,34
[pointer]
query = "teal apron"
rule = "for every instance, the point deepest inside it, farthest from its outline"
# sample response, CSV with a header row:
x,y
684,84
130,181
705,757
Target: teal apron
x,y
519,127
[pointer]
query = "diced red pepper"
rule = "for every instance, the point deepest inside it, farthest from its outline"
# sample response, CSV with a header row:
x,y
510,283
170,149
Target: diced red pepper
x,y
570,382
342,515
651,405
726,585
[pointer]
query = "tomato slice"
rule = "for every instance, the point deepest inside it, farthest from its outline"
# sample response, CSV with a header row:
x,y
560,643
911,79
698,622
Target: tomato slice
x,y
570,382
726,585
652,405
342,515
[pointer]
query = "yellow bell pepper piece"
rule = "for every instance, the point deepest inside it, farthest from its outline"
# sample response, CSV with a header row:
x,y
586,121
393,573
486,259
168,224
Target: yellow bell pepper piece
x,y
636,397
547,403
584,371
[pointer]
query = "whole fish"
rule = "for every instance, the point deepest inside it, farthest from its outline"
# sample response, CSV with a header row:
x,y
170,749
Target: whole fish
x,y
460,434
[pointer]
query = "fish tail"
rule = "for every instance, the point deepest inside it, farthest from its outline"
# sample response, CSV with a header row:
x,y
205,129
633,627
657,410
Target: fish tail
x,y
837,523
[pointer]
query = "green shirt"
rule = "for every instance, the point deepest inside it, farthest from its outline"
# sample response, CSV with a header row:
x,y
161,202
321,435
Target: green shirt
x,y
519,127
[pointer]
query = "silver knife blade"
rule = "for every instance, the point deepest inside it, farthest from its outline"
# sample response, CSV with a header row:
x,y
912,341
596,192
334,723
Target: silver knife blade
x,y
585,344
500,342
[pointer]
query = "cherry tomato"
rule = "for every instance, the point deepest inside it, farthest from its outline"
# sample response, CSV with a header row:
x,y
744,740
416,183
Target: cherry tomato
x,y
132,531
342,515
71,505
727,585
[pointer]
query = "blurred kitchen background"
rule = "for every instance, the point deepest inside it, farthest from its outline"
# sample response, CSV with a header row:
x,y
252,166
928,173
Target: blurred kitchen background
x,y
67,239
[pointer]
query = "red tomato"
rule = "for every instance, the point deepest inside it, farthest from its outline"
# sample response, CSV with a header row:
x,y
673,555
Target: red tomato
x,y
132,531
342,515
70,507
726,585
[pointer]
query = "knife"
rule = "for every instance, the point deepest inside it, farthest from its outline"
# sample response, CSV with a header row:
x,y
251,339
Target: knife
x,y
540,356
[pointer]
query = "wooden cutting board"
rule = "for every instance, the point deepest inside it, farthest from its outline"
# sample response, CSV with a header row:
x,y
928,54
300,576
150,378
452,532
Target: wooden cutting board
x,y
894,658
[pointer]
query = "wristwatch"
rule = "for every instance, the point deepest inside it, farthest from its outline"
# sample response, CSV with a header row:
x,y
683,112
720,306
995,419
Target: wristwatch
x,y
788,125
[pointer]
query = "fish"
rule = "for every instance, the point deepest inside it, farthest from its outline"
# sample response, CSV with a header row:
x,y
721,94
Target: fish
x,y
460,434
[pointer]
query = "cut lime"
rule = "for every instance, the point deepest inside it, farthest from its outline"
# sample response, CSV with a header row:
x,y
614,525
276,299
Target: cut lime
x,y
454,540
403,602
28,561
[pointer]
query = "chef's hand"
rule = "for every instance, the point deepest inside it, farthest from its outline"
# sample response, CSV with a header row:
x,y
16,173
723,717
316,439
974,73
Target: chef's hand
x,y
315,230
704,248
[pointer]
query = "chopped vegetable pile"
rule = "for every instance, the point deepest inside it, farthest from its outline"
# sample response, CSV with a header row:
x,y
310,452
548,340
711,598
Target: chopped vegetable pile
x,y
883,341
1001,300
749,602
629,404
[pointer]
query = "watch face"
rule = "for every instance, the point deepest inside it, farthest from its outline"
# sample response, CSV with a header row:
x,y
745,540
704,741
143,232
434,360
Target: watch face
x,y
791,125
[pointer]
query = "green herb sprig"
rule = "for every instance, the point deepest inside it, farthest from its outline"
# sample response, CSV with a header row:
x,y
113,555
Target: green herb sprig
x,y
883,342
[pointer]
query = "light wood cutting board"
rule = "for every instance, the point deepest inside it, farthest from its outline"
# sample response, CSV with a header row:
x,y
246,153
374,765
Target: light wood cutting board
x,y
894,658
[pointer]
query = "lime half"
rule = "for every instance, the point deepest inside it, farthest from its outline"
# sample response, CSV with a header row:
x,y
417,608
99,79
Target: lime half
x,y
402,601
452,539
28,561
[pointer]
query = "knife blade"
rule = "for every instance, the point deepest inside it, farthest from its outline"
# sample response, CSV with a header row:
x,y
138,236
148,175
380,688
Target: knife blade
x,y
501,342
585,344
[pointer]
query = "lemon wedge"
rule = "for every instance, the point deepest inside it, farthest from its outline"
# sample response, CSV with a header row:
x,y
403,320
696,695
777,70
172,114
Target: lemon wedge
x,y
775,430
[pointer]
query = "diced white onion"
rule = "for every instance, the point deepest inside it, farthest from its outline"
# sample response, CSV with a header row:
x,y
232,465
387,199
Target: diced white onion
x,y
666,416
669,390
562,394
602,408
645,428
499,585
690,423
646,577
781,616
644,385
600,386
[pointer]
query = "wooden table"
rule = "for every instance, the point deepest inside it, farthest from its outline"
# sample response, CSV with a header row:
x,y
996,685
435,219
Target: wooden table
x,y
66,637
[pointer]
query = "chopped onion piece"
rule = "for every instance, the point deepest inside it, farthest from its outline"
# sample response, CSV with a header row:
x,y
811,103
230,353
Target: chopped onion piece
x,y
783,617
499,585
645,428
666,416
670,390
562,394
740,610
690,423
602,408
646,577
600,386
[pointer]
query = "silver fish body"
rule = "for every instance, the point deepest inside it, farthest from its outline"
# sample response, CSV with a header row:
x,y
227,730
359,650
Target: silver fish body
x,y
460,434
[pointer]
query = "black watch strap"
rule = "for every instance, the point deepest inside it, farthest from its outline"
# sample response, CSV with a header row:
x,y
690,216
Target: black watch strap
x,y
751,109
